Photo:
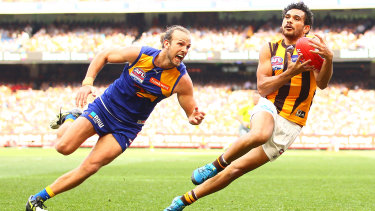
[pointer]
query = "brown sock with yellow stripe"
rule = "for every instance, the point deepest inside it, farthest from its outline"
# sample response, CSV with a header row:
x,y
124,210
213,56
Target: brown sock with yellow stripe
x,y
220,163
189,197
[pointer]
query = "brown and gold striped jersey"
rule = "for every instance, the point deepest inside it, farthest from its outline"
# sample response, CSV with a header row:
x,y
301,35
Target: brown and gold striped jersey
x,y
293,100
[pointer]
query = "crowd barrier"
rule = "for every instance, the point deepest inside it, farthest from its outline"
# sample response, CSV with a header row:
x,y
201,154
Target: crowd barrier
x,y
206,141
193,56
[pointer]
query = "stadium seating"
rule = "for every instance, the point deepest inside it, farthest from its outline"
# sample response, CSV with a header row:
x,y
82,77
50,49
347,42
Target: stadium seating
x,y
64,37
335,111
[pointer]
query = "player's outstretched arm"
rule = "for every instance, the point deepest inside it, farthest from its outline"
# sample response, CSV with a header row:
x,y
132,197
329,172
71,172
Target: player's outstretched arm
x,y
109,55
185,96
324,76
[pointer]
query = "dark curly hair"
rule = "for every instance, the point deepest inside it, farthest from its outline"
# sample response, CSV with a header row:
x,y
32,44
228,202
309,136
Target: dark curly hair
x,y
309,16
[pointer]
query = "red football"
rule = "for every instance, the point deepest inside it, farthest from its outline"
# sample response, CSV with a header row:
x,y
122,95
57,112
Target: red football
x,y
303,48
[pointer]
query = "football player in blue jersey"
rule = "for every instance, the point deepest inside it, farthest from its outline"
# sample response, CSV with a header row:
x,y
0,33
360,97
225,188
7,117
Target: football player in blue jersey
x,y
118,115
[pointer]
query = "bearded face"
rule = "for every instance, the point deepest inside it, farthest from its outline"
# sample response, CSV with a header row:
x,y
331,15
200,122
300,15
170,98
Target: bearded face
x,y
293,26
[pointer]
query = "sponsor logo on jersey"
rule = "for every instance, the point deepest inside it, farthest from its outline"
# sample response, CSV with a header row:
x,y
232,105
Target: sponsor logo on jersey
x,y
96,119
141,122
277,63
138,75
159,84
141,92
294,58
301,114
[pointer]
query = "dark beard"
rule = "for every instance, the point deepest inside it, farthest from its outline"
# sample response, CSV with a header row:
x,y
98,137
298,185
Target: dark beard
x,y
292,36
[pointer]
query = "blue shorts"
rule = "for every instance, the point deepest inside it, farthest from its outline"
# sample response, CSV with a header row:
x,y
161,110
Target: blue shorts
x,y
104,123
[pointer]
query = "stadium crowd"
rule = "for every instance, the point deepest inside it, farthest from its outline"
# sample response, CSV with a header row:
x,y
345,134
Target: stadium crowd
x,y
336,110
207,35
28,107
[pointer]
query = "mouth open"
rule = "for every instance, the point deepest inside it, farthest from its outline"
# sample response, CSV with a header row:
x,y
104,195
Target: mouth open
x,y
179,57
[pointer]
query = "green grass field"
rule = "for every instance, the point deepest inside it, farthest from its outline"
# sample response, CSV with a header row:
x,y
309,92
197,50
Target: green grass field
x,y
141,179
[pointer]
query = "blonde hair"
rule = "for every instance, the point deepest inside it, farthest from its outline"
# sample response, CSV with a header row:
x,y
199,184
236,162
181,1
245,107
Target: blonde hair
x,y
167,35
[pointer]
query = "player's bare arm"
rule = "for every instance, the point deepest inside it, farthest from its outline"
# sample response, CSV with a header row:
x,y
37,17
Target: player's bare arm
x,y
324,76
109,55
184,90
267,83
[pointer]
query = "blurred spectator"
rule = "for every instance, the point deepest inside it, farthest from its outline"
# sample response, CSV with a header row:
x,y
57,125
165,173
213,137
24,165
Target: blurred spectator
x,y
336,110
207,34
344,108
244,114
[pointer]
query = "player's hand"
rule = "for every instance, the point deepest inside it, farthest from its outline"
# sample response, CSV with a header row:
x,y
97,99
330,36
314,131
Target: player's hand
x,y
196,117
83,93
298,67
309,68
321,47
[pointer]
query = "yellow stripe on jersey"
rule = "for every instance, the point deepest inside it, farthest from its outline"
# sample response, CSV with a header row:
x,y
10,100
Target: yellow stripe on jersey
x,y
144,63
169,77
293,99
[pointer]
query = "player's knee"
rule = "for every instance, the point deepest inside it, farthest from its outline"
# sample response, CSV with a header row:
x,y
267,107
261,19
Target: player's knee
x,y
63,149
260,137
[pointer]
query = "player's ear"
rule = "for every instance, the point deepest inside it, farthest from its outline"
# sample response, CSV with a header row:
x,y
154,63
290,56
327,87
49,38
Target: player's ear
x,y
306,29
166,43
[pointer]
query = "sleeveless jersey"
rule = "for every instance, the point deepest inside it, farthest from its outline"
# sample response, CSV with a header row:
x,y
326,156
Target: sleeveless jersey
x,y
293,99
132,97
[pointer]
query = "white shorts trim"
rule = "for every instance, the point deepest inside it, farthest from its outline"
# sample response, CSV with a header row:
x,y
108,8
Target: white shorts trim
x,y
264,105
284,132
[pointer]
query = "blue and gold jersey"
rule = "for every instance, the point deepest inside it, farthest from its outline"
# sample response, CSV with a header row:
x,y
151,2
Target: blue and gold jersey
x,y
133,96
